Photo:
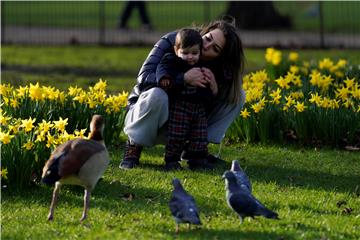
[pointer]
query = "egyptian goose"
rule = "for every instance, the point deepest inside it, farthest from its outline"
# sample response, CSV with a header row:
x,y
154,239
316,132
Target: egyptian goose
x,y
78,162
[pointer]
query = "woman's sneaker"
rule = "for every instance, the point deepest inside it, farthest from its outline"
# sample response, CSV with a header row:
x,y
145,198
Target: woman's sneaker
x,y
131,156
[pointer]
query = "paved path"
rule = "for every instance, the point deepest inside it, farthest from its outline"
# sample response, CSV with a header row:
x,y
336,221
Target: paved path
x,y
38,35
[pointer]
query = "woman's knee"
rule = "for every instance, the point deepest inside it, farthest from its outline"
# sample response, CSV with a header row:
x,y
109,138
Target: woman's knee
x,y
156,98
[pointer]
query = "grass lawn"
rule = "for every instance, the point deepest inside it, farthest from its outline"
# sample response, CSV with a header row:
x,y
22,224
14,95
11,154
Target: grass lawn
x,y
61,66
305,186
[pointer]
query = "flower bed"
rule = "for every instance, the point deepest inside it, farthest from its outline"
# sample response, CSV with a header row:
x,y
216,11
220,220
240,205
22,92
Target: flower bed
x,y
35,119
308,102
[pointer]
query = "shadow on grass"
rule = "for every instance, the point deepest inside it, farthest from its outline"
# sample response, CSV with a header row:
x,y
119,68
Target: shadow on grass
x,y
284,176
203,233
287,177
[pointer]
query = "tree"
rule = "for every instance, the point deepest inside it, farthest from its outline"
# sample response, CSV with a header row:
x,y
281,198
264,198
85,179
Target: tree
x,y
257,15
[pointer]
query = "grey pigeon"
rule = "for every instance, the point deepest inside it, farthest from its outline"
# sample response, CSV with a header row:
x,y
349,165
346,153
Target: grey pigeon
x,y
242,201
182,206
241,177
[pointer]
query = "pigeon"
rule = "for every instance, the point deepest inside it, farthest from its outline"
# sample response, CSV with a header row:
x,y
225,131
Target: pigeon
x,y
242,201
241,177
182,206
78,162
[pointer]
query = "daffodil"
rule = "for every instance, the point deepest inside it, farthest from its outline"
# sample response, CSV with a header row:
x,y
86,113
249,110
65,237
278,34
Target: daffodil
x,y
283,82
257,107
342,93
28,124
44,127
28,145
315,98
273,56
14,103
326,63
36,92
5,138
289,101
81,97
300,107
349,83
244,113
5,90
293,56
101,85
22,91
276,96
60,124
50,141
4,173
80,133
4,120
294,69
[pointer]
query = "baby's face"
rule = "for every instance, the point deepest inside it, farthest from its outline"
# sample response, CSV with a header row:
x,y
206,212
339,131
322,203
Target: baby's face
x,y
190,55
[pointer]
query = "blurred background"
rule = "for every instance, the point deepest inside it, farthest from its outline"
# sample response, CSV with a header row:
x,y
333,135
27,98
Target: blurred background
x,y
285,24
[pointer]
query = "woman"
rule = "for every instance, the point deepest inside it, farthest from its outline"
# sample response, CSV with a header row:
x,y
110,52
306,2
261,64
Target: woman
x,y
222,54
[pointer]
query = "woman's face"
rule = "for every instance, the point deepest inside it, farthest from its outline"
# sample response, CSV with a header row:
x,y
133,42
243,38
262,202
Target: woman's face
x,y
213,44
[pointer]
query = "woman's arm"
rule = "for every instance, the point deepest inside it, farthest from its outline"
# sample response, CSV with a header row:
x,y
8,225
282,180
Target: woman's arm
x,y
147,74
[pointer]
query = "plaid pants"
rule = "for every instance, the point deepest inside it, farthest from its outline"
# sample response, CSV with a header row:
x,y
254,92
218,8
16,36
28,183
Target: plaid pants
x,y
187,125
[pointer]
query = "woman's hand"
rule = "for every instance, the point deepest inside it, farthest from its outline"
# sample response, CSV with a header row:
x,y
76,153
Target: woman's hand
x,y
210,79
195,77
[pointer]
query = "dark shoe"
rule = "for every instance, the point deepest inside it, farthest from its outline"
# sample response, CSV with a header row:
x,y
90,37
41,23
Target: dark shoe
x,y
131,156
200,164
185,155
213,159
170,166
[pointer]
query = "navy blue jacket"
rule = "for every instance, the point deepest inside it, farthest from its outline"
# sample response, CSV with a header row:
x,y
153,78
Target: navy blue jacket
x,y
147,75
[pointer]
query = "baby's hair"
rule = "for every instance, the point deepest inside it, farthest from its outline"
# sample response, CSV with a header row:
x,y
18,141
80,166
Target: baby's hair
x,y
187,37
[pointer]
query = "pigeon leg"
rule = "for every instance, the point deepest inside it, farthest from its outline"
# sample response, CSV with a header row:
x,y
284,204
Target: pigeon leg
x,y
53,201
177,228
86,204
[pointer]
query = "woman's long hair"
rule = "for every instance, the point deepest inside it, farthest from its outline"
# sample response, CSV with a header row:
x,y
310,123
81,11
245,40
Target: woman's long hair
x,y
231,58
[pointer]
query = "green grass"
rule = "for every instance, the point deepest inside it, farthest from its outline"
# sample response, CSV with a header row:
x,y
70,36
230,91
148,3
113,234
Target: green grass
x,y
302,185
61,66
168,15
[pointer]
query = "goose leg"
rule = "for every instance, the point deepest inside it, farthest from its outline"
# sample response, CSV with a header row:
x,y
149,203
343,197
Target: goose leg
x,y
54,201
86,204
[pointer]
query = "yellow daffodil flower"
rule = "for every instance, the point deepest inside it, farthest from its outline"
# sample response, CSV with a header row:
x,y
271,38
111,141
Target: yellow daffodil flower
x,y
293,56
36,92
244,113
28,124
4,173
5,138
276,96
300,107
29,145
101,85
60,125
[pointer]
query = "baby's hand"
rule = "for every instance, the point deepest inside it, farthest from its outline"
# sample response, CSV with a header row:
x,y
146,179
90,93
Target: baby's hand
x,y
165,83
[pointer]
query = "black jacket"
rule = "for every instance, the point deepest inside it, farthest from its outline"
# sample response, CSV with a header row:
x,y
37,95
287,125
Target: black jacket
x,y
172,66
147,75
